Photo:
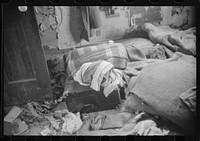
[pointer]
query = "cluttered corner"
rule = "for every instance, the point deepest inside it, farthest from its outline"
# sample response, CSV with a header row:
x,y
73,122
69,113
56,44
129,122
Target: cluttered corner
x,y
41,118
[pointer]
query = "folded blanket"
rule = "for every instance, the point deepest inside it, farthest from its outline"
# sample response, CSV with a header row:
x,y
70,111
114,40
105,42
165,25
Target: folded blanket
x,y
114,53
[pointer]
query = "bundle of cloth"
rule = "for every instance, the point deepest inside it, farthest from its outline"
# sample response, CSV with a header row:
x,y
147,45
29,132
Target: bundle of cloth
x,y
172,40
98,66
99,73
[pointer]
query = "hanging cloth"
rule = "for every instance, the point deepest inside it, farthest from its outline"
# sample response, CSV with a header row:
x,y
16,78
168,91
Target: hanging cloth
x,y
91,20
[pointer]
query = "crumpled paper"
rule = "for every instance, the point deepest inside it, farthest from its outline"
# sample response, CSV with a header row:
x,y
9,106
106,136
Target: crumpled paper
x,y
48,132
54,122
72,123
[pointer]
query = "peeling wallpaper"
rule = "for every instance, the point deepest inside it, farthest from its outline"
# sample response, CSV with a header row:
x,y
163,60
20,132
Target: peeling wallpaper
x,y
140,15
178,16
116,22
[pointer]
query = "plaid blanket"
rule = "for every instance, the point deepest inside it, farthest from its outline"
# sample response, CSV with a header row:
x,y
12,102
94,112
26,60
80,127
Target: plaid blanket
x,y
114,53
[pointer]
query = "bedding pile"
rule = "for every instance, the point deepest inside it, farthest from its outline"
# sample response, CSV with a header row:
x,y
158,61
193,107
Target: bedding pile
x,y
99,73
158,73
114,53
184,42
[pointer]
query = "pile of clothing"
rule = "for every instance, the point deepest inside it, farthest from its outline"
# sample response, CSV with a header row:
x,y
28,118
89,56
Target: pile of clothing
x,y
98,66
99,73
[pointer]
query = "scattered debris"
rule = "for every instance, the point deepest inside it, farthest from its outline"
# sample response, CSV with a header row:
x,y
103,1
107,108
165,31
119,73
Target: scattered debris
x,y
34,130
33,111
7,128
72,123
52,119
13,114
20,127
148,127
44,122
48,132
54,122
60,106
65,94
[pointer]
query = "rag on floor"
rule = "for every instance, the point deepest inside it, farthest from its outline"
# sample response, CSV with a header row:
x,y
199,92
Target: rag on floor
x,y
148,127
99,73
72,123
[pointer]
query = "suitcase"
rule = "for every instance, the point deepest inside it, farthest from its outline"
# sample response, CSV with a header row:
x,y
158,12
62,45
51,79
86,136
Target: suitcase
x,y
84,99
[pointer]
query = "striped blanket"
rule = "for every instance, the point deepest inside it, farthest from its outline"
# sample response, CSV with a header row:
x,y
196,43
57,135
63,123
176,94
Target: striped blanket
x,y
114,53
